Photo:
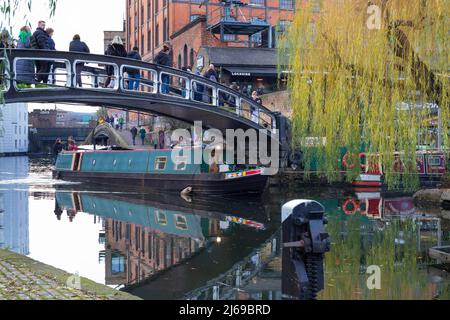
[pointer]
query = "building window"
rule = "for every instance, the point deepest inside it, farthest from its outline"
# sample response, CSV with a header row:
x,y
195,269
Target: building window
x,y
185,56
142,43
157,36
156,6
258,2
179,61
287,4
149,41
283,25
195,17
191,59
166,30
229,37
257,39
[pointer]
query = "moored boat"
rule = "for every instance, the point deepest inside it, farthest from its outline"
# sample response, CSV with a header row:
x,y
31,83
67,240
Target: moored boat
x,y
156,170
431,167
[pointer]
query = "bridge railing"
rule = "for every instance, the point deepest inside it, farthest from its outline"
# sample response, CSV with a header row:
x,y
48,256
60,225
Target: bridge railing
x,y
97,72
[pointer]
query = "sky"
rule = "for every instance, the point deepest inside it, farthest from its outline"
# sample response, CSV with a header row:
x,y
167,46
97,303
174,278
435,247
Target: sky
x,y
88,18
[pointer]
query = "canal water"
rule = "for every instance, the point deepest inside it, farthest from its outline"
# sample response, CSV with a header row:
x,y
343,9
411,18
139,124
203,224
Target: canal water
x,y
160,246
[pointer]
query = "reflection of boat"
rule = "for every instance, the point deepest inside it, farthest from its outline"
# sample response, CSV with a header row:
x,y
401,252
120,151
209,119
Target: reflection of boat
x,y
146,235
158,170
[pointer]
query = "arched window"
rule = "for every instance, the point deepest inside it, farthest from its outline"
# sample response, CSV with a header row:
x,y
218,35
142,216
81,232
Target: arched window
x,y
185,56
191,59
157,36
179,61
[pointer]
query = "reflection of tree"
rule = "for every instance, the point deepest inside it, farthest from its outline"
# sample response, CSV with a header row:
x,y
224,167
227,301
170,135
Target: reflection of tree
x,y
357,245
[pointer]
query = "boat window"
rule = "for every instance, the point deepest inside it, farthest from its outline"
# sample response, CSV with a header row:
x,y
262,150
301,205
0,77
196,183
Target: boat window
x,y
434,161
180,163
160,163
181,222
161,218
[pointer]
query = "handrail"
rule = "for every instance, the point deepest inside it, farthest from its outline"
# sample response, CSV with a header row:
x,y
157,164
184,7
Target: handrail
x,y
120,64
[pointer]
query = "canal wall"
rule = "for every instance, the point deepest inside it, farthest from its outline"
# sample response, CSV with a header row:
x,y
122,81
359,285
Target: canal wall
x,y
22,278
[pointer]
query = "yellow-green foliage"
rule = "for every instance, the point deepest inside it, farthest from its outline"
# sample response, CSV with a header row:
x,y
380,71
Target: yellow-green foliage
x,y
347,81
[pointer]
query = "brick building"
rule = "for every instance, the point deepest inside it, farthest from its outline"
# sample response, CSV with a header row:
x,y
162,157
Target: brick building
x,y
193,24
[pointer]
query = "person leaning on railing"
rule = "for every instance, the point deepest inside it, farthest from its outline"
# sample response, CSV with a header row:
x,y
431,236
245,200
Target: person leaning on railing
x,y
79,46
116,49
39,41
134,75
163,58
24,68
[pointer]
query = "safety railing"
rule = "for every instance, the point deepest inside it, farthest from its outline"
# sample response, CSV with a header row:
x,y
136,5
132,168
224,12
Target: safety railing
x,y
56,70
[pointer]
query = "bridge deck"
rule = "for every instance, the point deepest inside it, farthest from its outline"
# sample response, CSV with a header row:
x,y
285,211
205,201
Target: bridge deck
x,y
77,79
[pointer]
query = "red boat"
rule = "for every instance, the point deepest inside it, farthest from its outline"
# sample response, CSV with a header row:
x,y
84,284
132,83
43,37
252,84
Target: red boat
x,y
431,167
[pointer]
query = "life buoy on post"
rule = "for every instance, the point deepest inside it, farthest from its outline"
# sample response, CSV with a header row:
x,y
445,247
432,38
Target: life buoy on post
x,y
354,205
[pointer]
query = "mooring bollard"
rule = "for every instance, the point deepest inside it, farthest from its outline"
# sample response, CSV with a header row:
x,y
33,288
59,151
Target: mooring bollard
x,y
305,243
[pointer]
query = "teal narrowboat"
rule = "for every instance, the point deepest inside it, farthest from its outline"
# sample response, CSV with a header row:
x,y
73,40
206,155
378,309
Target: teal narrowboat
x,y
158,170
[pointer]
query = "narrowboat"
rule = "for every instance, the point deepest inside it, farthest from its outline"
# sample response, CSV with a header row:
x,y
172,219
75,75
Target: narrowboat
x,y
156,170
431,167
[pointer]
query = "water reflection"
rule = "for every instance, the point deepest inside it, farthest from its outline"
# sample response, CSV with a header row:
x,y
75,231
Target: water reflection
x,y
14,205
145,235
390,233
164,247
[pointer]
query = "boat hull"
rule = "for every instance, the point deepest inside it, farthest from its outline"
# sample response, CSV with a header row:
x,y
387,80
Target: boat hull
x,y
205,184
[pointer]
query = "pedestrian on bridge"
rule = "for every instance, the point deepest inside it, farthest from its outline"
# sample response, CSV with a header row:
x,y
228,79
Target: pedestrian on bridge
x,y
254,111
39,41
163,58
79,46
25,68
116,49
134,75
52,46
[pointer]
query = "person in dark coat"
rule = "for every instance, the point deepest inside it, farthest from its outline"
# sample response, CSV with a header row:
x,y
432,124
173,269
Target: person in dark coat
x,y
134,132
57,149
79,46
25,68
134,75
211,74
39,41
116,49
163,58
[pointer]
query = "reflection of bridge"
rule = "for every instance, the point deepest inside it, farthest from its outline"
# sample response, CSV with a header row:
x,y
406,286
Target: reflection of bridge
x,y
163,91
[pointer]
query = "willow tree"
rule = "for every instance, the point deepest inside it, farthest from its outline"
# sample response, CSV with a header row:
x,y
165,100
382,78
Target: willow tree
x,y
365,76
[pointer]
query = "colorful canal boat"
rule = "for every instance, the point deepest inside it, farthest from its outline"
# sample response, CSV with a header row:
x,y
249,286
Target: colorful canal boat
x,y
156,170
431,167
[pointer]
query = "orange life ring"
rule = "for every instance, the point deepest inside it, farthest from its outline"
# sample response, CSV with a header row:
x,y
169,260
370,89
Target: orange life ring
x,y
344,162
354,205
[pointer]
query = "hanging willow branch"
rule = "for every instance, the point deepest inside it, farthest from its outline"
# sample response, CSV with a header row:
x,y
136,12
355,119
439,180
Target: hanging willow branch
x,y
354,88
